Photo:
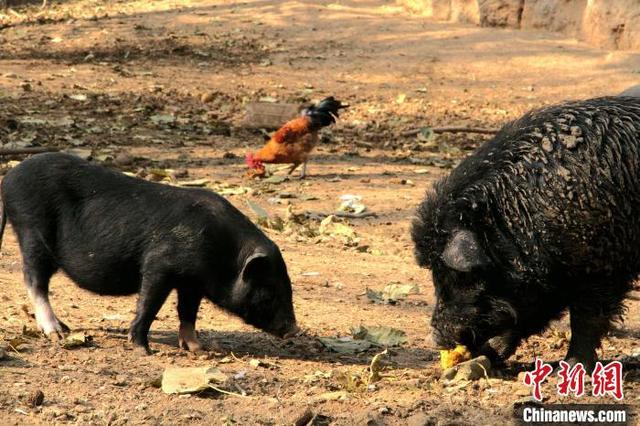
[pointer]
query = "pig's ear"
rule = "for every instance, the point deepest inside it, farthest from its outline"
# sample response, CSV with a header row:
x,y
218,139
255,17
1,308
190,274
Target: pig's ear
x,y
254,267
463,253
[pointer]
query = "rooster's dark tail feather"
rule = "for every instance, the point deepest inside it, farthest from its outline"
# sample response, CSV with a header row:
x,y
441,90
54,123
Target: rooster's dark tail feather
x,y
324,113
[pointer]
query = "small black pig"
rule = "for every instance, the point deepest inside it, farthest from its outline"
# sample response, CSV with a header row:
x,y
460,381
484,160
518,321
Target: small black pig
x,y
541,219
117,235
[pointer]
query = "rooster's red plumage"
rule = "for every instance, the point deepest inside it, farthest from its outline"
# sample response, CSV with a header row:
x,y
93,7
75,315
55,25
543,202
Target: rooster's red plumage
x,y
295,140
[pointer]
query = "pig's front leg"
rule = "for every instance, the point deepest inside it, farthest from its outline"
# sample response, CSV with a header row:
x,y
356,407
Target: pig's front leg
x,y
591,316
586,334
188,304
499,348
154,290
587,331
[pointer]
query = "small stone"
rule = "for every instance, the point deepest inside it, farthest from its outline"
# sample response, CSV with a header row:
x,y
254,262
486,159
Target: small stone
x,y
123,159
207,97
36,399
155,382
474,369
120,381
383,410
26,87
420,419
374,419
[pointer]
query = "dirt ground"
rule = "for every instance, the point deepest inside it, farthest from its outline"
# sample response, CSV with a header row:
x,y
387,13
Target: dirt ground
x,y
123,81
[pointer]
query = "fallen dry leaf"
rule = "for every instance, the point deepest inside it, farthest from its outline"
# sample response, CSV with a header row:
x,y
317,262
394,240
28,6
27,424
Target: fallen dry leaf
x,y
255,363
15,342
163,119
76,340
392,293
351,382
184,380
352,204
195,182
276,179
375,367
331,226
332,396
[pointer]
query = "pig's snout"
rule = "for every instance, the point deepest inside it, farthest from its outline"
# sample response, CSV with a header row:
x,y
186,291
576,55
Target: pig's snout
x,y
443,341
285,331
453,335
293,331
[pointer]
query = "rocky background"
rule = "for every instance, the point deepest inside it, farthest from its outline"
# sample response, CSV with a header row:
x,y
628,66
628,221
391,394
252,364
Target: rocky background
x,y
602,23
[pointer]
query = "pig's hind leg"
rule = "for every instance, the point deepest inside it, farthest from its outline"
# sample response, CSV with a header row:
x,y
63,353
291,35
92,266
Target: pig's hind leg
x,y
38,267
188,304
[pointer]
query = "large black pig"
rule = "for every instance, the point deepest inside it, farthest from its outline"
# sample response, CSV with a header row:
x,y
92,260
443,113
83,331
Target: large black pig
x,y
117,235
539,220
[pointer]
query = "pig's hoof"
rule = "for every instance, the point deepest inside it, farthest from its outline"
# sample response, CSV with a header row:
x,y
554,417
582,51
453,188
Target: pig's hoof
x,y
188,338
588,364
55,330
55,336
191,346
141,350
294,332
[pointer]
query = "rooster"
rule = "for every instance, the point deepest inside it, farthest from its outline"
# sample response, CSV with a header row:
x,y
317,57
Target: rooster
x,y
295,140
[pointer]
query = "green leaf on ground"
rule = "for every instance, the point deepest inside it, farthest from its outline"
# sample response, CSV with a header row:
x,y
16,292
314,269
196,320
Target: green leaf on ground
x,y
345,345
380,335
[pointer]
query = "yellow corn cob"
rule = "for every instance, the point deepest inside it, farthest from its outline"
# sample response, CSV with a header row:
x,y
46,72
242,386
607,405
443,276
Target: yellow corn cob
x,y
451,357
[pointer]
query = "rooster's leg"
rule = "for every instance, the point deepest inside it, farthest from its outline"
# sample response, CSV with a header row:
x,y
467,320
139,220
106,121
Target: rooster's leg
x,y
293,167
303,172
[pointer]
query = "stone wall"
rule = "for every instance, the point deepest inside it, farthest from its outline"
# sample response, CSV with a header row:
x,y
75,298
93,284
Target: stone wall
x,y
613,24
